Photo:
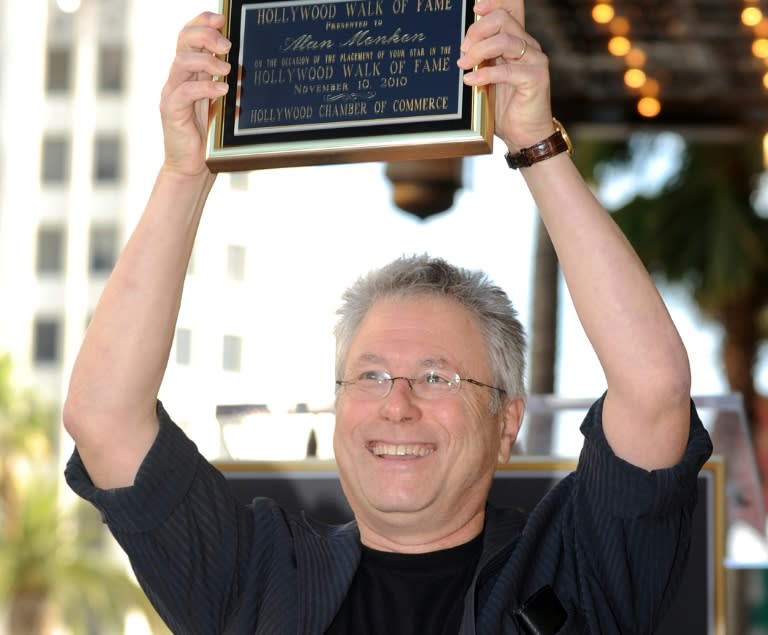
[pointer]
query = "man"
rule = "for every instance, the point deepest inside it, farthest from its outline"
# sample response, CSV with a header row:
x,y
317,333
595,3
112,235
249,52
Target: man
x,y
430,397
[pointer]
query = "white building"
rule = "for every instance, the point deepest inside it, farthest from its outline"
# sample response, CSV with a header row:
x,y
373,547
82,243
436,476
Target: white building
x,y
80,145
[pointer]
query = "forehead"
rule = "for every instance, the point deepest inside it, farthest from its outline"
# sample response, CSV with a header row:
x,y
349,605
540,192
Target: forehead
x,y
420,330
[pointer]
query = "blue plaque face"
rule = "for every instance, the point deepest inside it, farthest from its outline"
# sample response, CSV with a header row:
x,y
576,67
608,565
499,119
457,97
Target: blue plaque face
x,y
352,80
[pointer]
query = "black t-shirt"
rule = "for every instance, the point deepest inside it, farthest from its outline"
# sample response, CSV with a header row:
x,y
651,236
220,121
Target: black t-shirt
x,y
403,594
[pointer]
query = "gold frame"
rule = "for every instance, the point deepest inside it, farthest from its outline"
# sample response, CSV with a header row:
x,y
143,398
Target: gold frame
x,y
406,143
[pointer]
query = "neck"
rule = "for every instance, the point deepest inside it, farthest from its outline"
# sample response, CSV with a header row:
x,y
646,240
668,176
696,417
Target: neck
x,y
400,535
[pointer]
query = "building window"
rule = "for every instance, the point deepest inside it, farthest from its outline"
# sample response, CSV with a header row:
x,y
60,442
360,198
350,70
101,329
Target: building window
x,y
232,351
239,180
58,70
55,161
107,159
46,340
112,19
183,347
50,250
236,262
102,249
110,69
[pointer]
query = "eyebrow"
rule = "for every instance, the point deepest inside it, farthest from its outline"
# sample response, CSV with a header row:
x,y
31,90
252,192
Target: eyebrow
x,y
427,362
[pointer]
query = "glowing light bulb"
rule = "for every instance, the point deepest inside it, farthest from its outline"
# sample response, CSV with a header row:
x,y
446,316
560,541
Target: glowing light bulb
x,y
651,88
761,28
760,48
603,13
634,78
649,107
619,46
765,150
751,16
619,26
636,58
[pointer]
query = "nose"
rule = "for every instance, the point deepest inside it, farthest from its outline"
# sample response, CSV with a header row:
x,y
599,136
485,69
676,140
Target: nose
x,y
399,406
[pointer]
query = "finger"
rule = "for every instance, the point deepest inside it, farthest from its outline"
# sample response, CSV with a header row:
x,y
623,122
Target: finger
x,y
501,74
176,102
191,92
494,23
204,34
207,18
515,8
502,48
190,64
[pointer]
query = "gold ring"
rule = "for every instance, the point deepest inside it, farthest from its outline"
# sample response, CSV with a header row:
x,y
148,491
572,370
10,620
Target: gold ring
x,y
523,52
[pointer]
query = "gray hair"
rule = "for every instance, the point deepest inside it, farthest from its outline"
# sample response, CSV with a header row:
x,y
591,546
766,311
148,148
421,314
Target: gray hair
x,y
411,276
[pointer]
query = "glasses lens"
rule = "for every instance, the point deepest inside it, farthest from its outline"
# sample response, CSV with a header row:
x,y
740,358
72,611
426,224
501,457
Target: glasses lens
x,y
370,385
434,384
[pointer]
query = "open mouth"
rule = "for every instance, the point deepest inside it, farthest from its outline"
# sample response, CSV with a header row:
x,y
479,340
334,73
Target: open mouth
x,y
400,450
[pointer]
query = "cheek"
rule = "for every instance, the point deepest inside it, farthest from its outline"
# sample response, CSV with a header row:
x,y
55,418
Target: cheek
x,y
348,414
480,428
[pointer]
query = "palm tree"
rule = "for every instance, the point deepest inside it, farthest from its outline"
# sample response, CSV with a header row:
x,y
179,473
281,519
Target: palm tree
x,y
701,229
53,567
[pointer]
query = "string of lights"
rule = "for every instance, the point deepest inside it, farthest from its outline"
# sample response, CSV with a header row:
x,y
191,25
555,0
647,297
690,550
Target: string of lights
x,y
647,88
636,77
752,17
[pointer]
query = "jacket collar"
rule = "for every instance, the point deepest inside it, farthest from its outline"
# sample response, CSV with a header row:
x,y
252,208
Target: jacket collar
x,y
327,558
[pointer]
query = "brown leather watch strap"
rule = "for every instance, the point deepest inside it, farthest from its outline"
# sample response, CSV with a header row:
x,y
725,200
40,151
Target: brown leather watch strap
x,y
553,145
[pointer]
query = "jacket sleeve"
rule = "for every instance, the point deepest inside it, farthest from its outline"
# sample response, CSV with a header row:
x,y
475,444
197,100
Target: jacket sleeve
x,y
184,533
632,528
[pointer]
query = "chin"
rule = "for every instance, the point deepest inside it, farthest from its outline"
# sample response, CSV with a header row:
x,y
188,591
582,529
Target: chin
x,y
398,505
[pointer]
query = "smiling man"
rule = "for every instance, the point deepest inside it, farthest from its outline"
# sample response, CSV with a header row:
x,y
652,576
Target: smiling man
x,y
430,396
420,425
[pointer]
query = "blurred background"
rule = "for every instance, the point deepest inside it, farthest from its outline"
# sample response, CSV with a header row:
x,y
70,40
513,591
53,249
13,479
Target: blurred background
x,y
667,105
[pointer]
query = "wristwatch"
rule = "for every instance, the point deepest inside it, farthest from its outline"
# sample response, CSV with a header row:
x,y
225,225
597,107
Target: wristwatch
x,y
553,145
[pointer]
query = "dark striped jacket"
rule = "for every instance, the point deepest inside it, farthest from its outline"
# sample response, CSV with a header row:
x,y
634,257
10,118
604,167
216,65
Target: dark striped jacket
x,y
610,539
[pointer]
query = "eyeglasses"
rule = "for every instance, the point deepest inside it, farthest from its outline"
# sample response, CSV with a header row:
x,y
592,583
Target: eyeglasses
x,y
371,385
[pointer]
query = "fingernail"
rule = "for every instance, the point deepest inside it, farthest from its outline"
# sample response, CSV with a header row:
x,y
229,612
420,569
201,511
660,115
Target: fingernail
x,y
221,87
224,44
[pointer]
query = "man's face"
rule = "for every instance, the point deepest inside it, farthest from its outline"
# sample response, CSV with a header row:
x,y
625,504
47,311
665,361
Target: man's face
x,y
409,466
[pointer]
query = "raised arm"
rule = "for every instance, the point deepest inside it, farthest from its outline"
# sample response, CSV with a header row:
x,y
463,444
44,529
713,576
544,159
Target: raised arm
x,y
647,407
110,406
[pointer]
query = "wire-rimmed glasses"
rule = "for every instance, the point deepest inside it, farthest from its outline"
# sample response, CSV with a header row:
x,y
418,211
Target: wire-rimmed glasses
x,y
431,383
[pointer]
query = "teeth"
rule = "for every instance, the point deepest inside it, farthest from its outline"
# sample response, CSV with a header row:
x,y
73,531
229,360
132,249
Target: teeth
x,y
382,449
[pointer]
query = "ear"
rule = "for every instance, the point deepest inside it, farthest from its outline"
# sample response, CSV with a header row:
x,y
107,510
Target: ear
x,y
511,418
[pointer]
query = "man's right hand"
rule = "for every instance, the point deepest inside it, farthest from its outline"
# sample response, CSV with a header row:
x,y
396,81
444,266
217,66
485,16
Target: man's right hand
x,y
189,90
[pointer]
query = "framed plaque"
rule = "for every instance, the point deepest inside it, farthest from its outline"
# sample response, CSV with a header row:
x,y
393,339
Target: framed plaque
x,y
339,81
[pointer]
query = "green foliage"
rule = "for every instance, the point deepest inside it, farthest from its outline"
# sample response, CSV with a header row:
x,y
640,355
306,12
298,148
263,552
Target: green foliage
x,y
27,426
700,227
52,559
